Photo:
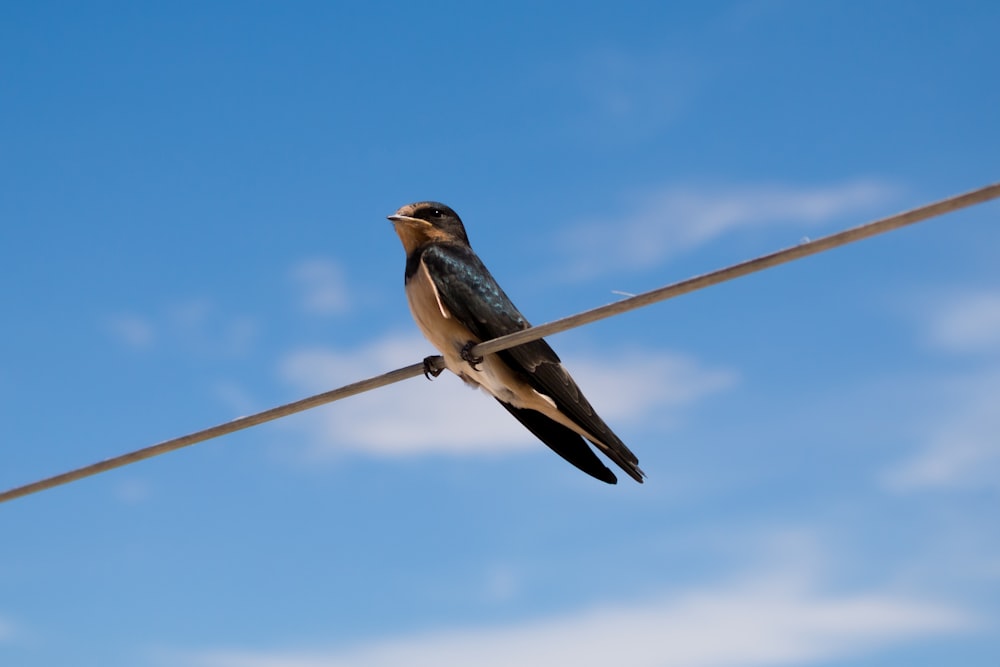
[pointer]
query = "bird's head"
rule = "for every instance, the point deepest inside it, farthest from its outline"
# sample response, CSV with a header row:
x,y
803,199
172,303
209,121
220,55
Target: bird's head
x,y
427,222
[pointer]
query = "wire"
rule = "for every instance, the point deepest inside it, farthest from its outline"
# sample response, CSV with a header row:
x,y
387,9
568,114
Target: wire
x,y
805,249
237,424
799,251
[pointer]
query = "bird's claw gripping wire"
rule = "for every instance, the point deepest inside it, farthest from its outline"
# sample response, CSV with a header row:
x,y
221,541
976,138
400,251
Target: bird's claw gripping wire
x,y
433,366
468,357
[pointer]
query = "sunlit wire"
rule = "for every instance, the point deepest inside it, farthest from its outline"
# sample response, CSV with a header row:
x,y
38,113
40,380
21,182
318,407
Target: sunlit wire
x,y
804,249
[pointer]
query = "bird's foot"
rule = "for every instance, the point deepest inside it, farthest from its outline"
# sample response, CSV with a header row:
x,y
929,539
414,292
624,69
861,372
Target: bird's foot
x,y
433,366
468,357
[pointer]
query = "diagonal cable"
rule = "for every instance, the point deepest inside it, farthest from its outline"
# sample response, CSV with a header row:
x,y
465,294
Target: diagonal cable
x,y
881,226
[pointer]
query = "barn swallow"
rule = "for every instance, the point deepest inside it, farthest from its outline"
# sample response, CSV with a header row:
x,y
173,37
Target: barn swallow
x,y
457,303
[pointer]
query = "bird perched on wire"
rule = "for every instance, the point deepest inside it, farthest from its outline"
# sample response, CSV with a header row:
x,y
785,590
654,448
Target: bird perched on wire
x,y
457,303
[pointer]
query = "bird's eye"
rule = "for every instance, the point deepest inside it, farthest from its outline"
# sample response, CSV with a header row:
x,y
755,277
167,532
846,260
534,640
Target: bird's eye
x,y
436,212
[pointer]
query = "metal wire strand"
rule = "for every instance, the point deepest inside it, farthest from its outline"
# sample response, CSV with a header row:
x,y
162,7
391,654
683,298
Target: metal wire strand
x,y
805,249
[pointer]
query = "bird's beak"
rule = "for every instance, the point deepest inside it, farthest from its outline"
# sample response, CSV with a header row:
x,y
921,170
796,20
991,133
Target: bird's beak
x,y
396,218
404,214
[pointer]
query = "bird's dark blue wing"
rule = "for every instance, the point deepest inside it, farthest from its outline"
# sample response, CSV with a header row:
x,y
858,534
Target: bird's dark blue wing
x,y
469,291
471,294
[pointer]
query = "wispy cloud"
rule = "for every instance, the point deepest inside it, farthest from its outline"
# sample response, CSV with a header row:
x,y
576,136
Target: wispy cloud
x,y
235,396
632,384
447,417
202,324
770,621
625,95
133,490
962,442
322,286
6,630
966,322
133,330
196,323
679,219
962,445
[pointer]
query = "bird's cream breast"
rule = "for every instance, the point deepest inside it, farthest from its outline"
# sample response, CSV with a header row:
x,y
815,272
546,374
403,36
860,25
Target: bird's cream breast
x,y
449,336
444,332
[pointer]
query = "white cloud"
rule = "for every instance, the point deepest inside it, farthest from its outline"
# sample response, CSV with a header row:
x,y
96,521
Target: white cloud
x,y
502,583
412,417
6,630
199,323
236,397
132,330
417,417
195,323
679,219
632,384
967,322
765,621
323,291
190,316
961,436
133,491
962,447
629,96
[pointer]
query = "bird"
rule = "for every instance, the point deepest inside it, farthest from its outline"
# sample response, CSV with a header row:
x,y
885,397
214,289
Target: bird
x,y
457,303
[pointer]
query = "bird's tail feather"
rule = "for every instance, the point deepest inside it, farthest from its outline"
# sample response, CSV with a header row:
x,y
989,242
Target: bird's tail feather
x,y
564,442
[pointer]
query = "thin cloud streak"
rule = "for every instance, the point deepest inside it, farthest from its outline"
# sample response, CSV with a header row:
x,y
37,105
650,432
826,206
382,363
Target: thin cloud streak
x,y
416,417
962,445
322,287
679,219
628,96
967,322
196,324
136,332
767,621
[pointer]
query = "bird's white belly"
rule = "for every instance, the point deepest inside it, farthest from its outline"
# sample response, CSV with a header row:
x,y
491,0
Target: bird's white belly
x,y
449,336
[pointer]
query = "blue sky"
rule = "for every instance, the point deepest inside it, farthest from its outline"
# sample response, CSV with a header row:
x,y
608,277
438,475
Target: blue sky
x,y
193,201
